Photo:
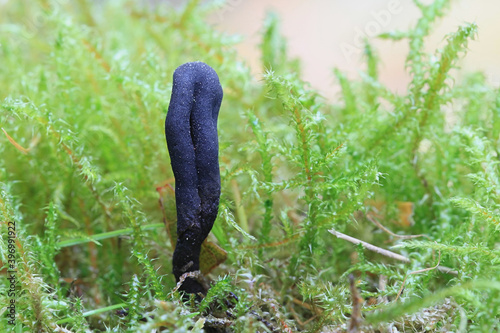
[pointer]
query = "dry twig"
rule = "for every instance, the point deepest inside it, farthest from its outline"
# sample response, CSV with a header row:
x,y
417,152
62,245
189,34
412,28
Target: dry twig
x,y
373,220
357,301
417,272
384,252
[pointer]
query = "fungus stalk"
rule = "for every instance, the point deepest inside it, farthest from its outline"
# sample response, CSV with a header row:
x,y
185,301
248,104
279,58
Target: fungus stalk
x,y
191,133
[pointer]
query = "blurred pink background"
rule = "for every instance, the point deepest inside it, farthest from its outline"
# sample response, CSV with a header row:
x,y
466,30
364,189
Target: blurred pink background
x,y
326,33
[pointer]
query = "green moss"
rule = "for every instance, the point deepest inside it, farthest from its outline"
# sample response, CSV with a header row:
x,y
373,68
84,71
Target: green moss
x,y
84,91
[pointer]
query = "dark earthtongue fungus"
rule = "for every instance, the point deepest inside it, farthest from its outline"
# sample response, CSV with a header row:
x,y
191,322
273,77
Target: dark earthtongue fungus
x,y
191,133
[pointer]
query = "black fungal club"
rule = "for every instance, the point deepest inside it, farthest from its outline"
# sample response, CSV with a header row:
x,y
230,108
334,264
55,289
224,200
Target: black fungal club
x,y
191,133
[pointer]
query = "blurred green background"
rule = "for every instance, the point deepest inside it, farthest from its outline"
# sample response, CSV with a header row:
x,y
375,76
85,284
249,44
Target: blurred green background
x,y
318,31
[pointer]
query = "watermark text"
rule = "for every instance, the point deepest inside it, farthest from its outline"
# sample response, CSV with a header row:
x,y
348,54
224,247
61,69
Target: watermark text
x,y
11,272
380,20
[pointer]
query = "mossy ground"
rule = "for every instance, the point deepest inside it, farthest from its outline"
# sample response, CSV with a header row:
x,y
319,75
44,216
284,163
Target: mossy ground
x,y
85,176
